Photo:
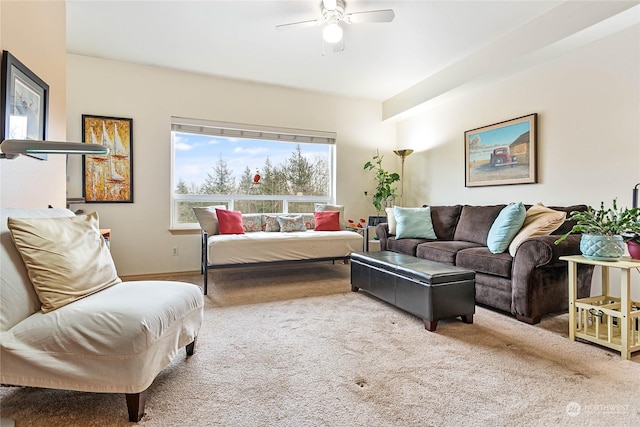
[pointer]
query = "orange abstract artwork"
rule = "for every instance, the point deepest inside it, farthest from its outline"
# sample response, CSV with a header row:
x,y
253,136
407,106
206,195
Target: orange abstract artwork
x,y
108,177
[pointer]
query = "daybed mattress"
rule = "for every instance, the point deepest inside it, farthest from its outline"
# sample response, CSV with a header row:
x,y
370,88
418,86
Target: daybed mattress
x,y
264,246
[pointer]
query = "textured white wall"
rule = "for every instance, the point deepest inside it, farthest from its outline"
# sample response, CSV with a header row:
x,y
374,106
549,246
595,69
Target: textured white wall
x,y
41,47
588,105
141,240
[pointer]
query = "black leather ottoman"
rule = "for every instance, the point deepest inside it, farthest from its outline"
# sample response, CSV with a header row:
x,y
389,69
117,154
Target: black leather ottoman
x,y
427,289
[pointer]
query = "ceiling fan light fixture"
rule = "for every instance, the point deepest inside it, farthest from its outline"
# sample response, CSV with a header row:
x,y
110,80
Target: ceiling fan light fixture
x,y
332,33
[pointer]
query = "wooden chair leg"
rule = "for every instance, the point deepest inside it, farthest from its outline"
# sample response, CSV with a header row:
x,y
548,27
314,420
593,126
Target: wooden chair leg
x,y
191,347
135,405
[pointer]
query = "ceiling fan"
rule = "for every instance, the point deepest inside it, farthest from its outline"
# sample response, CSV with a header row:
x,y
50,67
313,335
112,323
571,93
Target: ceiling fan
x,y
333,15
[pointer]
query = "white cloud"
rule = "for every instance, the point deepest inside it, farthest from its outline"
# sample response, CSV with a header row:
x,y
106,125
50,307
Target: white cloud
x,y
182,146
250,151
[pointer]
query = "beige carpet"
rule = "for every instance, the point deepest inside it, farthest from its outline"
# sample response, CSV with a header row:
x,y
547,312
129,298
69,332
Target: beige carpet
x,y
295,347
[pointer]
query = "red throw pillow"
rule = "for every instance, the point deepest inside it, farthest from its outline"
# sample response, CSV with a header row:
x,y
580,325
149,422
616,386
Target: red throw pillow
x,y
327,221
229,222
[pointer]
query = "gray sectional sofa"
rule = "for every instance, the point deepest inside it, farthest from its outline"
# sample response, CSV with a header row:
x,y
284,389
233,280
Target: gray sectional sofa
x,y
528,285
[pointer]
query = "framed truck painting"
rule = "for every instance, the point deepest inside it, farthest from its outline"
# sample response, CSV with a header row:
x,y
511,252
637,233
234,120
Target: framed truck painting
x,y
501,154
108,178
25,102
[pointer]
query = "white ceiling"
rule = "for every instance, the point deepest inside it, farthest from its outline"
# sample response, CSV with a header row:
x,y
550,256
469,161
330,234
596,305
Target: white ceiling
x,y
238,39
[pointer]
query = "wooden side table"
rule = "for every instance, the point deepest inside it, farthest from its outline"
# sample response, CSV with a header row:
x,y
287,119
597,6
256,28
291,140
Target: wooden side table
x,y
605,320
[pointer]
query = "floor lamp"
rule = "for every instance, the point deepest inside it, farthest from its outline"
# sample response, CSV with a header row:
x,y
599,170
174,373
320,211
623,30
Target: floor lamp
x,y
403,155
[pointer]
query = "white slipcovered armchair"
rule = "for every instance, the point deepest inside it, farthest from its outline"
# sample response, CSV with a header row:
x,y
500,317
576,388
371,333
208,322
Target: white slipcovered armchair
x,y
114,338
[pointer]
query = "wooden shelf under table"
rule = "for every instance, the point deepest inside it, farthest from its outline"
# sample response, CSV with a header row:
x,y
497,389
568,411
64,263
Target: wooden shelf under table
x,y
605,320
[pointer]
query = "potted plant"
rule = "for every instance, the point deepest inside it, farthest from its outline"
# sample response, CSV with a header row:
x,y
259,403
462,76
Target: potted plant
x,y
385,193
603,229
633,244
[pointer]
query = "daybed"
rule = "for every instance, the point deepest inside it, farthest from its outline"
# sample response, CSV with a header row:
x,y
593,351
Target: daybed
x,y
68,322
271,239
527,280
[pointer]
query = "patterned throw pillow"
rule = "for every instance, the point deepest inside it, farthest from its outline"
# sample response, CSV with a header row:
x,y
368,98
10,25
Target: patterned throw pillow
x,y
270,223
309,221
290,223
251,222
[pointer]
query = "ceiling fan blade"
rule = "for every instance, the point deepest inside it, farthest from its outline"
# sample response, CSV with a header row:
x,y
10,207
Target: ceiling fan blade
x,y
385,15
301,24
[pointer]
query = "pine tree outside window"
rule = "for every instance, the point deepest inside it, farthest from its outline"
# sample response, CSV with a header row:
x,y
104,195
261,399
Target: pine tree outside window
x,y
252,169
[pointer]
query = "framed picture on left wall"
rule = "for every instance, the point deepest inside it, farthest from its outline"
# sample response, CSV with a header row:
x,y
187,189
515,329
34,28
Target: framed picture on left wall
x,y
108,178
24,103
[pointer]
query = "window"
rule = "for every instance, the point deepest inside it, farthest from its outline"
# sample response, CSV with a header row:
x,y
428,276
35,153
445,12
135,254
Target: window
x,y
252,169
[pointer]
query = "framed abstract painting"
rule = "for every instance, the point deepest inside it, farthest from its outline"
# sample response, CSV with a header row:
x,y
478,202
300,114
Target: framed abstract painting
x,y
108,178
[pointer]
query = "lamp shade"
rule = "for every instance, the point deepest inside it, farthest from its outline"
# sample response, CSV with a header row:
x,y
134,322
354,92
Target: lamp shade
x,y
403,153
12,148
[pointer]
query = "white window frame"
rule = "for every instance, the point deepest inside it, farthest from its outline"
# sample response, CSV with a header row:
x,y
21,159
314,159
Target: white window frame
x,y
239,130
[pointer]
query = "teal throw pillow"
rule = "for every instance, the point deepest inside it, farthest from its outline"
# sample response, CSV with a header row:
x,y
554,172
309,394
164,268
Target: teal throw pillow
x,y
413,223
505,227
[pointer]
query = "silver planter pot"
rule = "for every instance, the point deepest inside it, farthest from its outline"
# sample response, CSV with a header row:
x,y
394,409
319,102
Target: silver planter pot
x,y
602,248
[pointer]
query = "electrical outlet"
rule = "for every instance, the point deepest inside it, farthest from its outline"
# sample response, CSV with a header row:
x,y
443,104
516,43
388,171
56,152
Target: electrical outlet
x,y
174,251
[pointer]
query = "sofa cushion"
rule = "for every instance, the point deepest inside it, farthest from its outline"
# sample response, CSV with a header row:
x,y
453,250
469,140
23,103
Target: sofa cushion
x,y
444,220
505,227
539,221
66,258
207,218
481,260
404,246
475,222
443,251
413,223
567,225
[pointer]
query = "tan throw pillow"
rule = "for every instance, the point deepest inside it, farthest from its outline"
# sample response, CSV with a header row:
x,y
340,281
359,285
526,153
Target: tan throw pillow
x,y
539,221
66,258
322,207
391,220
207,218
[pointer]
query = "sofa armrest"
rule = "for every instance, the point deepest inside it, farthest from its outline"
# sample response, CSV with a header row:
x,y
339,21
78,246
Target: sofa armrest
x,y
382,231
544,251
539,279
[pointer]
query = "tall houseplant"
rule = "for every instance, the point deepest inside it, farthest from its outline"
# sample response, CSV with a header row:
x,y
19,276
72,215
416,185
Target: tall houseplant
x,y
603,229
385,191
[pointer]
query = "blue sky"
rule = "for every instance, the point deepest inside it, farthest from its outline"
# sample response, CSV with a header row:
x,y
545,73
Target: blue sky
x,y
501,136
195,155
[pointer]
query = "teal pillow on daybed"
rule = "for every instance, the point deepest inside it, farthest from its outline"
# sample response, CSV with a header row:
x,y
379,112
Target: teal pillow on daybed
x,y
413,223
505,227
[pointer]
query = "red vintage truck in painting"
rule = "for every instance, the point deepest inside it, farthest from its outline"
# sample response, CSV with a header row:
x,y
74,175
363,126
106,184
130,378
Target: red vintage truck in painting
x,y
501,157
